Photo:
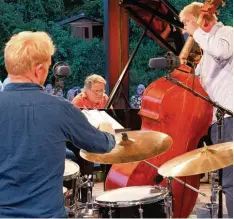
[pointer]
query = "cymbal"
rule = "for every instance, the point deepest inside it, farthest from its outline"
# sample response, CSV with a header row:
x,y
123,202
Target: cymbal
x,y
202,160
132,146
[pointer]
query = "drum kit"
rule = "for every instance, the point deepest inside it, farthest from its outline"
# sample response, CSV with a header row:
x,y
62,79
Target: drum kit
x,y
145,201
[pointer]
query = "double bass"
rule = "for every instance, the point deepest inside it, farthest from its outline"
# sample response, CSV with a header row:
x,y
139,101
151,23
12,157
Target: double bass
x,y
171,109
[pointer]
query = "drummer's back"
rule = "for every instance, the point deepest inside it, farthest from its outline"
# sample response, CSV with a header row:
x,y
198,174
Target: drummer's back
x,y
32,155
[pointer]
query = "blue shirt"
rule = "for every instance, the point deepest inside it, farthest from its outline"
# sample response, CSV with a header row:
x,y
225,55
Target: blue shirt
x,y
34,129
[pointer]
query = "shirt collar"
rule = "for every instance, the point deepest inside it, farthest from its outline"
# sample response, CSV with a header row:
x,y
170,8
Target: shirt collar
x,y
216,27
22,87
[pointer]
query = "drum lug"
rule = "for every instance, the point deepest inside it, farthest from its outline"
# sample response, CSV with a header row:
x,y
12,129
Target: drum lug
x,y
110,211
140,211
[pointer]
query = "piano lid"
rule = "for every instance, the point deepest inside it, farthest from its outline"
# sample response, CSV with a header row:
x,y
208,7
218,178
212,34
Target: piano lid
x,y
161,20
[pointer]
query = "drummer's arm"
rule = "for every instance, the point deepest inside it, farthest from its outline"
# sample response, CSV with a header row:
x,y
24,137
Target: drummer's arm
x,y
82,134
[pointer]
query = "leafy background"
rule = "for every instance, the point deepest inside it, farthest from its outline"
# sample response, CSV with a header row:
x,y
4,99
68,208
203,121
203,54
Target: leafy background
x,y
83,57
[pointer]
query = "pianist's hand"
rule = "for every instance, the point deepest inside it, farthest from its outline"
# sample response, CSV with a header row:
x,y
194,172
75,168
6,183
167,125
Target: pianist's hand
x,y
106,127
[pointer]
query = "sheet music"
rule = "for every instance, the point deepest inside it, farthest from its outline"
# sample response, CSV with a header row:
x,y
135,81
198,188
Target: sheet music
x,y
95,117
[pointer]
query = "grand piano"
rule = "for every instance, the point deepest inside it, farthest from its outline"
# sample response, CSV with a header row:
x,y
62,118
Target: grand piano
x,y
159,20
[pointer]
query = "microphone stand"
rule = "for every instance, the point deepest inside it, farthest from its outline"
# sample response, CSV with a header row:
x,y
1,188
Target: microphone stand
x,y
215,104
58,87
220,123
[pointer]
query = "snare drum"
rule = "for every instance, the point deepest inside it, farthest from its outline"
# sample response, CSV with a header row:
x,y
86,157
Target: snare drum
x,y
133,202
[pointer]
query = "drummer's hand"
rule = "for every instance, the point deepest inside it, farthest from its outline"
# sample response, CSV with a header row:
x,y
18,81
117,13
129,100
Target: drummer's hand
x,y
106,127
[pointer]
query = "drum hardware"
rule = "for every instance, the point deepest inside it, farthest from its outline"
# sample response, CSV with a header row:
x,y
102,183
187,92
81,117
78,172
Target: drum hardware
x,y
169,199
89,184
176,179
140,211
66,195
110,212
89,211
132,146
215,189
125,141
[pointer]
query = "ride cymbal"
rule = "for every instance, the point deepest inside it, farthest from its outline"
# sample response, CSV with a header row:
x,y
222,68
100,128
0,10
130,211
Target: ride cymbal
x,y
132,146
202,160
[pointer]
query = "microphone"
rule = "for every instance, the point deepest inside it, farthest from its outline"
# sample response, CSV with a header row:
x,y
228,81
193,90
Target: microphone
x,y
61,70
169,61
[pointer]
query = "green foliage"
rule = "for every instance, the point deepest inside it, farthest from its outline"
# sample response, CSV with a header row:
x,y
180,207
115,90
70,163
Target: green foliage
x,y
140,73
10,19
84,57
32,10
71,5
226,13
92,8
54,9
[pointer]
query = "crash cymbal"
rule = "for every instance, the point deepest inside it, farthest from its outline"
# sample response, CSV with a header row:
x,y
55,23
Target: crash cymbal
x,y
202,160
132,146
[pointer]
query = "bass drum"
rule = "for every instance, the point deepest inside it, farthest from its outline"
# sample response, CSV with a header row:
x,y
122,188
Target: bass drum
x,y
170,109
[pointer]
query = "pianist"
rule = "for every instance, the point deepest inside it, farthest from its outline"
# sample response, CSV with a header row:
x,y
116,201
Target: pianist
x,y
93,95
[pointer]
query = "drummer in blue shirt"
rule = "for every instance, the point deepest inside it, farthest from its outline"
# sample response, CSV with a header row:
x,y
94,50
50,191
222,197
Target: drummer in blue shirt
x,y
36,128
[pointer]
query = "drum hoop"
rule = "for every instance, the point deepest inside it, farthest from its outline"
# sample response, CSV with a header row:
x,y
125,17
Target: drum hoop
x,y
123,204
70,177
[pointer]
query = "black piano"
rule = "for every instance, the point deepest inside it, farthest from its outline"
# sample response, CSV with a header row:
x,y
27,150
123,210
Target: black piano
x,y
155,17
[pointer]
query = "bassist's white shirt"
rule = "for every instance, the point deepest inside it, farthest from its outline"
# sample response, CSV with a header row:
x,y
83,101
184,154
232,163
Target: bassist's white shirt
x,y
216,66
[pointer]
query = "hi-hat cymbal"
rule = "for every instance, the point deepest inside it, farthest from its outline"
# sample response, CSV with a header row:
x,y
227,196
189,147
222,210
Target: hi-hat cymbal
x,y
132,146
199,161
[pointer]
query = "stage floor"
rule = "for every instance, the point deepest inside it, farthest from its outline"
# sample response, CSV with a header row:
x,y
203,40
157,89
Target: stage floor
x,y
198,209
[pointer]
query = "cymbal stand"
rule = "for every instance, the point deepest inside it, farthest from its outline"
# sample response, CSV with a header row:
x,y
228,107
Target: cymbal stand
x,y
178,180
215,189
169,199
74,196
89,211
220,113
